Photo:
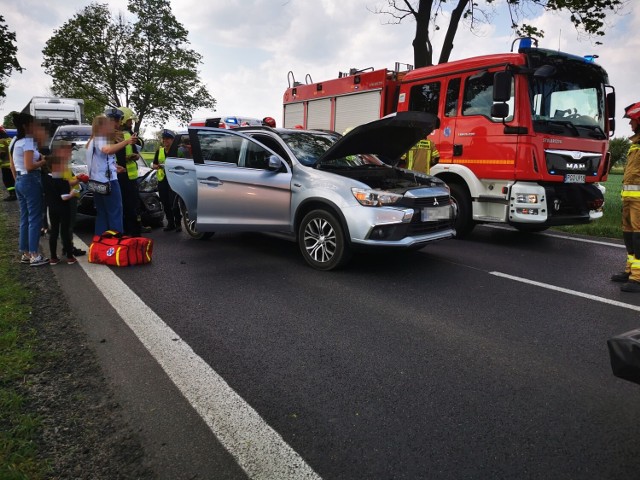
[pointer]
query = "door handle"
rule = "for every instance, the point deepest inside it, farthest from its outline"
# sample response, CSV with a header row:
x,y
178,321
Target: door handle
x,y
457,150
211,181
179,170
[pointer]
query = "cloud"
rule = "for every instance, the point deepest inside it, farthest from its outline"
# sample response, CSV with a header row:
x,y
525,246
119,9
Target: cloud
x,y
248,46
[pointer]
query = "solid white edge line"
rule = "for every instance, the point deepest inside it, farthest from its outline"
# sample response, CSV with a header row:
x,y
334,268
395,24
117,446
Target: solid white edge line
x,y
563,237
259,450
568,291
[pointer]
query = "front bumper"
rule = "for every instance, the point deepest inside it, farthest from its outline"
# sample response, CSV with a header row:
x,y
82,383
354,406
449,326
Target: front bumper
x,y
396,227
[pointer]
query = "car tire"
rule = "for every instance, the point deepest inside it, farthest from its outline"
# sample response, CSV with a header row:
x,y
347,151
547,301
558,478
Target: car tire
x,y
190,224
464,223
322,241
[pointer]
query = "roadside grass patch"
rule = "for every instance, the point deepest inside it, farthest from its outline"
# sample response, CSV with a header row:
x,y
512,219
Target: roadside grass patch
x,y
18,428
610,225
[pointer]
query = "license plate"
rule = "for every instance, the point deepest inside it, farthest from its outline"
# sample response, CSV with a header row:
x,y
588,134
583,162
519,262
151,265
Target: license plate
x,y
574,178
436,213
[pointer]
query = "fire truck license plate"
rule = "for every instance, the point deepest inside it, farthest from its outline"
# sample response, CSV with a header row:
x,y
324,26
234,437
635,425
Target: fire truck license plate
x,y
436,213
574,178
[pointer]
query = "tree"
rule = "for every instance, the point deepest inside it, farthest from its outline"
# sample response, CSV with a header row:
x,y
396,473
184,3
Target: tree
x,y
587,16
8,59
144,65
618,148
8,120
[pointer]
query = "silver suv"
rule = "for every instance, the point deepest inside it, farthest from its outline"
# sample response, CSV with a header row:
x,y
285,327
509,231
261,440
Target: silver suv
x,y
331,194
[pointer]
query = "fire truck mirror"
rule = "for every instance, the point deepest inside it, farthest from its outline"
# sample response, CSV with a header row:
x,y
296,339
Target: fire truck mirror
x,y
499,110
502,87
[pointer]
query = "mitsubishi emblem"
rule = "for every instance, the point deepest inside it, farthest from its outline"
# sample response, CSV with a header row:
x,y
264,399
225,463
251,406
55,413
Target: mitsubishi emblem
x,y
435,202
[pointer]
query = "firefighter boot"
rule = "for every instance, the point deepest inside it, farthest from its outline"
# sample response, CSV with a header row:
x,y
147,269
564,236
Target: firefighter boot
x,y
633,285
624,276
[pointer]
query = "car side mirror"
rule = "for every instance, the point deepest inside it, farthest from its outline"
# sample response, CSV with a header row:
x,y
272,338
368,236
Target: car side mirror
x,y
275,163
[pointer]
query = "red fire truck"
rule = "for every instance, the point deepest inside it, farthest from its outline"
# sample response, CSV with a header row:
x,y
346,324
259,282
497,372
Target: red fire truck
x,y
523,136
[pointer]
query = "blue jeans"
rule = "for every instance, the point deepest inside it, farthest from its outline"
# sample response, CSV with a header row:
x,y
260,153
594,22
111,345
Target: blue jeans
x,y
29,193
109,210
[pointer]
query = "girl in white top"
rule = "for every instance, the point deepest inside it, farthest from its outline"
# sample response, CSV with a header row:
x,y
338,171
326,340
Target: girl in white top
x,y
25,165
101,165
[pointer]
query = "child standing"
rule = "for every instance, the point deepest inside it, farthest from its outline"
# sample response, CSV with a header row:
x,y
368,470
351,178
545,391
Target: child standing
x,y
58,193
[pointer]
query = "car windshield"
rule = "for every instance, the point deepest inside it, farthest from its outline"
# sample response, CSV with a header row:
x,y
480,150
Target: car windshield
x,y
308,147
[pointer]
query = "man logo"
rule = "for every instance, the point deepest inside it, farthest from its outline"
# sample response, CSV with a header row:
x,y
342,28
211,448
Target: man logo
x,y
576,166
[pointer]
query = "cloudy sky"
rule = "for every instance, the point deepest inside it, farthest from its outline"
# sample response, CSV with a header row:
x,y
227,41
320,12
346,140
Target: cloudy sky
x,y
248,46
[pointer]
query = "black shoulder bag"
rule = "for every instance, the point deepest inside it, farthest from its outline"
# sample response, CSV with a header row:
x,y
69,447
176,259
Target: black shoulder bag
x,y
99,188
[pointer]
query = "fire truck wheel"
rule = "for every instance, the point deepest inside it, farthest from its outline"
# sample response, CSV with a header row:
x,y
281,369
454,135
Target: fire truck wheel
x,y
464,222
322,241
190,224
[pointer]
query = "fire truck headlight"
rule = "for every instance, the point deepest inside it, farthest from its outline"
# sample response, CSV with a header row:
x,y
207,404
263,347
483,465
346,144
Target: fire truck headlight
x,y
526,198
375,198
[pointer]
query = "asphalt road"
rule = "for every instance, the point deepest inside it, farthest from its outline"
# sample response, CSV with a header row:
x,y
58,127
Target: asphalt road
x,y
419,365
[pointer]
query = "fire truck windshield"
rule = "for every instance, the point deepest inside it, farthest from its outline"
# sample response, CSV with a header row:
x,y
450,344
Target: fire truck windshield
x,y
569,102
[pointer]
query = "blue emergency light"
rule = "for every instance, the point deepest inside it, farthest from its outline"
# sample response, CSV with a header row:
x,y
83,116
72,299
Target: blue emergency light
x,y
590,58
524,43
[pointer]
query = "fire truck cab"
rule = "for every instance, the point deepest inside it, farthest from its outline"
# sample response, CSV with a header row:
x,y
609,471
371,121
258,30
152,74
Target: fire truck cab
x,y
523,136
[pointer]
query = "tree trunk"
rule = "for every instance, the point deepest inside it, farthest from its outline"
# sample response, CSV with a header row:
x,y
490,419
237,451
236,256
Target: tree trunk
x,y
422,49
447,44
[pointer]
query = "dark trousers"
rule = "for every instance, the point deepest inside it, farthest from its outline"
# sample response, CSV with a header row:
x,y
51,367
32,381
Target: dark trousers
x,y
60,225
130,199
8,180
169,204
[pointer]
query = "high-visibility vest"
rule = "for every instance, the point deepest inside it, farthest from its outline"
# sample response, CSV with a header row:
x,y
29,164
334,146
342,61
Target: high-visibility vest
x,y
132,165
161,159
420,155
4,152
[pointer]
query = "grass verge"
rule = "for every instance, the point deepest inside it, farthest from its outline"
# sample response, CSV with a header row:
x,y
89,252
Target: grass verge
x,y
610,225
18,428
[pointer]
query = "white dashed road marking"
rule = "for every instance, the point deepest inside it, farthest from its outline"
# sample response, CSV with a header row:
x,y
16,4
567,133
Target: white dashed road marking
x,y
259,450
568,291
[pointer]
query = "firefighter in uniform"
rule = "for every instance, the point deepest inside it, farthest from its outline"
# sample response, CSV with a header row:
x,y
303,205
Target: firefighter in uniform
x,y
167,196
631,206
7,176
422,156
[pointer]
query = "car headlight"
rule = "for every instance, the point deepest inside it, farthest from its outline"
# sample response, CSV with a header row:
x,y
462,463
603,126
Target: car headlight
x,y
375,198
527,198
148,183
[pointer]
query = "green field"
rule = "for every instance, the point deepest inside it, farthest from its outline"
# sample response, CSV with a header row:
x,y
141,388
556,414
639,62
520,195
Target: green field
x,y
610,224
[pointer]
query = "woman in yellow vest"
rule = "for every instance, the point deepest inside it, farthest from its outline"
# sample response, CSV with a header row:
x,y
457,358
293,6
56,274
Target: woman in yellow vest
x,y
167,196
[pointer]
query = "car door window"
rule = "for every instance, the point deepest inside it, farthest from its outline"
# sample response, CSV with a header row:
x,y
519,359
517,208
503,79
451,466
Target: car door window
x,y
478,97
219,147
255,156
425,98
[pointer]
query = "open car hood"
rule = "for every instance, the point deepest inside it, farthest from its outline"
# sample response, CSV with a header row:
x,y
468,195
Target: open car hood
x,y
389,138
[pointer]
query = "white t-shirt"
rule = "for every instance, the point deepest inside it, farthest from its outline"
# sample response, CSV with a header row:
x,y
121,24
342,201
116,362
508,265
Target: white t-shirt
x,y
25,144
98,162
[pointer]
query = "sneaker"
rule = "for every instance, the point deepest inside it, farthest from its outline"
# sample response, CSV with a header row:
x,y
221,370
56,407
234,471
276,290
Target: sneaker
x,y
38,260
71,260
78,253
169,228
25,258
145,229
621,277
54,261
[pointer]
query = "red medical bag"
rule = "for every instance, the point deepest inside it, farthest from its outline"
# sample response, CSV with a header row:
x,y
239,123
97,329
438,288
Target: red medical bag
x,y
113,248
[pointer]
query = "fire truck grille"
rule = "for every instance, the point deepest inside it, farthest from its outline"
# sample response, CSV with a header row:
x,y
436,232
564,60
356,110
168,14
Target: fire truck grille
x,y
425,201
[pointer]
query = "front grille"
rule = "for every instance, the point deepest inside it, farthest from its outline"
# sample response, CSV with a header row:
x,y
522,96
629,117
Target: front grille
x,y
423,202
422,228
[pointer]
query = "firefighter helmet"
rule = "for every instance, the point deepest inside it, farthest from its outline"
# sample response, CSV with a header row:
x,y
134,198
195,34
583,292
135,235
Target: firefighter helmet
x,y
633,112
127,114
